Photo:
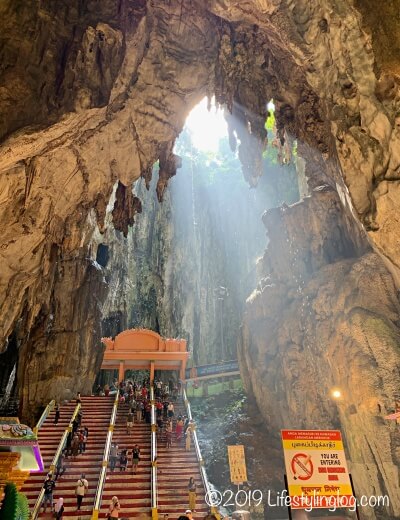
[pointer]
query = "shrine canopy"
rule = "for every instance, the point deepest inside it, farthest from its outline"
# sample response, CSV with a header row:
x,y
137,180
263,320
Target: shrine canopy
x,y
137,349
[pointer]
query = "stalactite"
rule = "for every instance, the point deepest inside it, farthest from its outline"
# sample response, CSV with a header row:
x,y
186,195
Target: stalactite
x,y
169,163
125,208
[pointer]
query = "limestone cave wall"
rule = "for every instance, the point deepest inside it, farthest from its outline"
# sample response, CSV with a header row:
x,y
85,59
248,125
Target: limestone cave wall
x,y
93,93
59,167
324,318
188,264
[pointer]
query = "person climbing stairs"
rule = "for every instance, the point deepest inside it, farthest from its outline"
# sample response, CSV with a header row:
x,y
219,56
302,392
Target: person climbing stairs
x,y
133,491
49,437
96,412
175,466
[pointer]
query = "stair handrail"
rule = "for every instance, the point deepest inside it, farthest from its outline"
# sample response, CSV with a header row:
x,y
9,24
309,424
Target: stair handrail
x,y
46,412
154,507
53,464
200,459
104,464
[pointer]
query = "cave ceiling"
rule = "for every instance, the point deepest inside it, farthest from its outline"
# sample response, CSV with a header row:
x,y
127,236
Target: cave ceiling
x,y
94,92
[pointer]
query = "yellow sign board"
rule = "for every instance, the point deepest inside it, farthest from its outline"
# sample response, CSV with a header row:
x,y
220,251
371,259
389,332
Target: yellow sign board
x,y
316,469
237,464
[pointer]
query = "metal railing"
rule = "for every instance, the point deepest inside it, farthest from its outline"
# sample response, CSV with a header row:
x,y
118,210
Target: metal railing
x,y
106,455
49,408
206,483
154,510
53,464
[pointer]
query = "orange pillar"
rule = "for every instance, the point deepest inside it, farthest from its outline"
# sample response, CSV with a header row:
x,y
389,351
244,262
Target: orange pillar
x,y
182,371
151,372
121,373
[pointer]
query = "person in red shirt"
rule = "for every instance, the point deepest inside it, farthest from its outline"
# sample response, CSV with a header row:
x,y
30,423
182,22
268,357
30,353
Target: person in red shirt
x,y
159,407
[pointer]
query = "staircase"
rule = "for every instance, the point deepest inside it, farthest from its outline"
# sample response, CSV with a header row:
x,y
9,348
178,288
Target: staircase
x,y
49,437
133,491
96,416
175,467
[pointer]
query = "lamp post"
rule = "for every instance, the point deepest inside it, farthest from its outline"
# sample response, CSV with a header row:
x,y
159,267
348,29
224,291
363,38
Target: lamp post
x,y
220,293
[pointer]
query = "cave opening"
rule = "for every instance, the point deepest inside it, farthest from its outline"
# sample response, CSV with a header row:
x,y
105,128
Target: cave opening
x,y
9,403
102,255
188,264
94,95
193,257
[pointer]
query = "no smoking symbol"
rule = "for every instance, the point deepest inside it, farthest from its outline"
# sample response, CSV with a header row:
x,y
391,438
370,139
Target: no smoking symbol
x,y
302,467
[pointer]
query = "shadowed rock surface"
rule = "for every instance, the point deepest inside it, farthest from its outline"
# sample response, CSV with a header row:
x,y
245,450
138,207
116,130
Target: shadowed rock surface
x,y
323,318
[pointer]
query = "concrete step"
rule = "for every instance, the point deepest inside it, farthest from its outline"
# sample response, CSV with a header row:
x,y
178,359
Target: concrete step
x,y
175,466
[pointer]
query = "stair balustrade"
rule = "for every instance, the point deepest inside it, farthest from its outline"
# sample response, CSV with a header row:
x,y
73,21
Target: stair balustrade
x,y
46,412
154,509
200,459
36,509
106,456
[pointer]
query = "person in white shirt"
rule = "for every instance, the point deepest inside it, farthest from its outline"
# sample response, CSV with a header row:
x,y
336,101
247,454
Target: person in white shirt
x,y
81,487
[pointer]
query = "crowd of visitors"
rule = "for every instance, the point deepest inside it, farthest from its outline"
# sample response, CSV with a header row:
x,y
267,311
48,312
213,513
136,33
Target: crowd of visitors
x,y
137,396
75,445
77,438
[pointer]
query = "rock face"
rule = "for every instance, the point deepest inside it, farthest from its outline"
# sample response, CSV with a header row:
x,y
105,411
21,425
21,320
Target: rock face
x,y
104,129
93,93
70,319
326,316
189,263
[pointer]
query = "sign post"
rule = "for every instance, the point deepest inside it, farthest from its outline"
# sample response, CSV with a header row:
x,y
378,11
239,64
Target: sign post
x,y
287,490
316,467
237,464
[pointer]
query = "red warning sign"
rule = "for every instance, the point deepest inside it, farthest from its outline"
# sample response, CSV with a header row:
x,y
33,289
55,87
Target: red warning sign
x,y
302,466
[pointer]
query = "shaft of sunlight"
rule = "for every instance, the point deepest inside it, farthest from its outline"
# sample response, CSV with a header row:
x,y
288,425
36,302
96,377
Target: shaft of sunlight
x,y
206,127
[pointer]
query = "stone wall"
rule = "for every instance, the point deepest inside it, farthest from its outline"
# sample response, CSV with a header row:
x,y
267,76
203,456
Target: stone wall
x,y
324,317
93,93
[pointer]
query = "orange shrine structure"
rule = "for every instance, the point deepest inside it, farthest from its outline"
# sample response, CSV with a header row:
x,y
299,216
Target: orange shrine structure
x,y
138,349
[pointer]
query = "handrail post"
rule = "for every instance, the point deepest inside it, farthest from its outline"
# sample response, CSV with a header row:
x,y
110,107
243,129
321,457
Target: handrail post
x,y
53,464
106,455
154,507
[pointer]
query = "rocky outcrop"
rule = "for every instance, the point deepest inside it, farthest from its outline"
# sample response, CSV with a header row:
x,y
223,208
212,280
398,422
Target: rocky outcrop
x,y
326,316
106,129
125,208
189,263
62,353
93,93
353,104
